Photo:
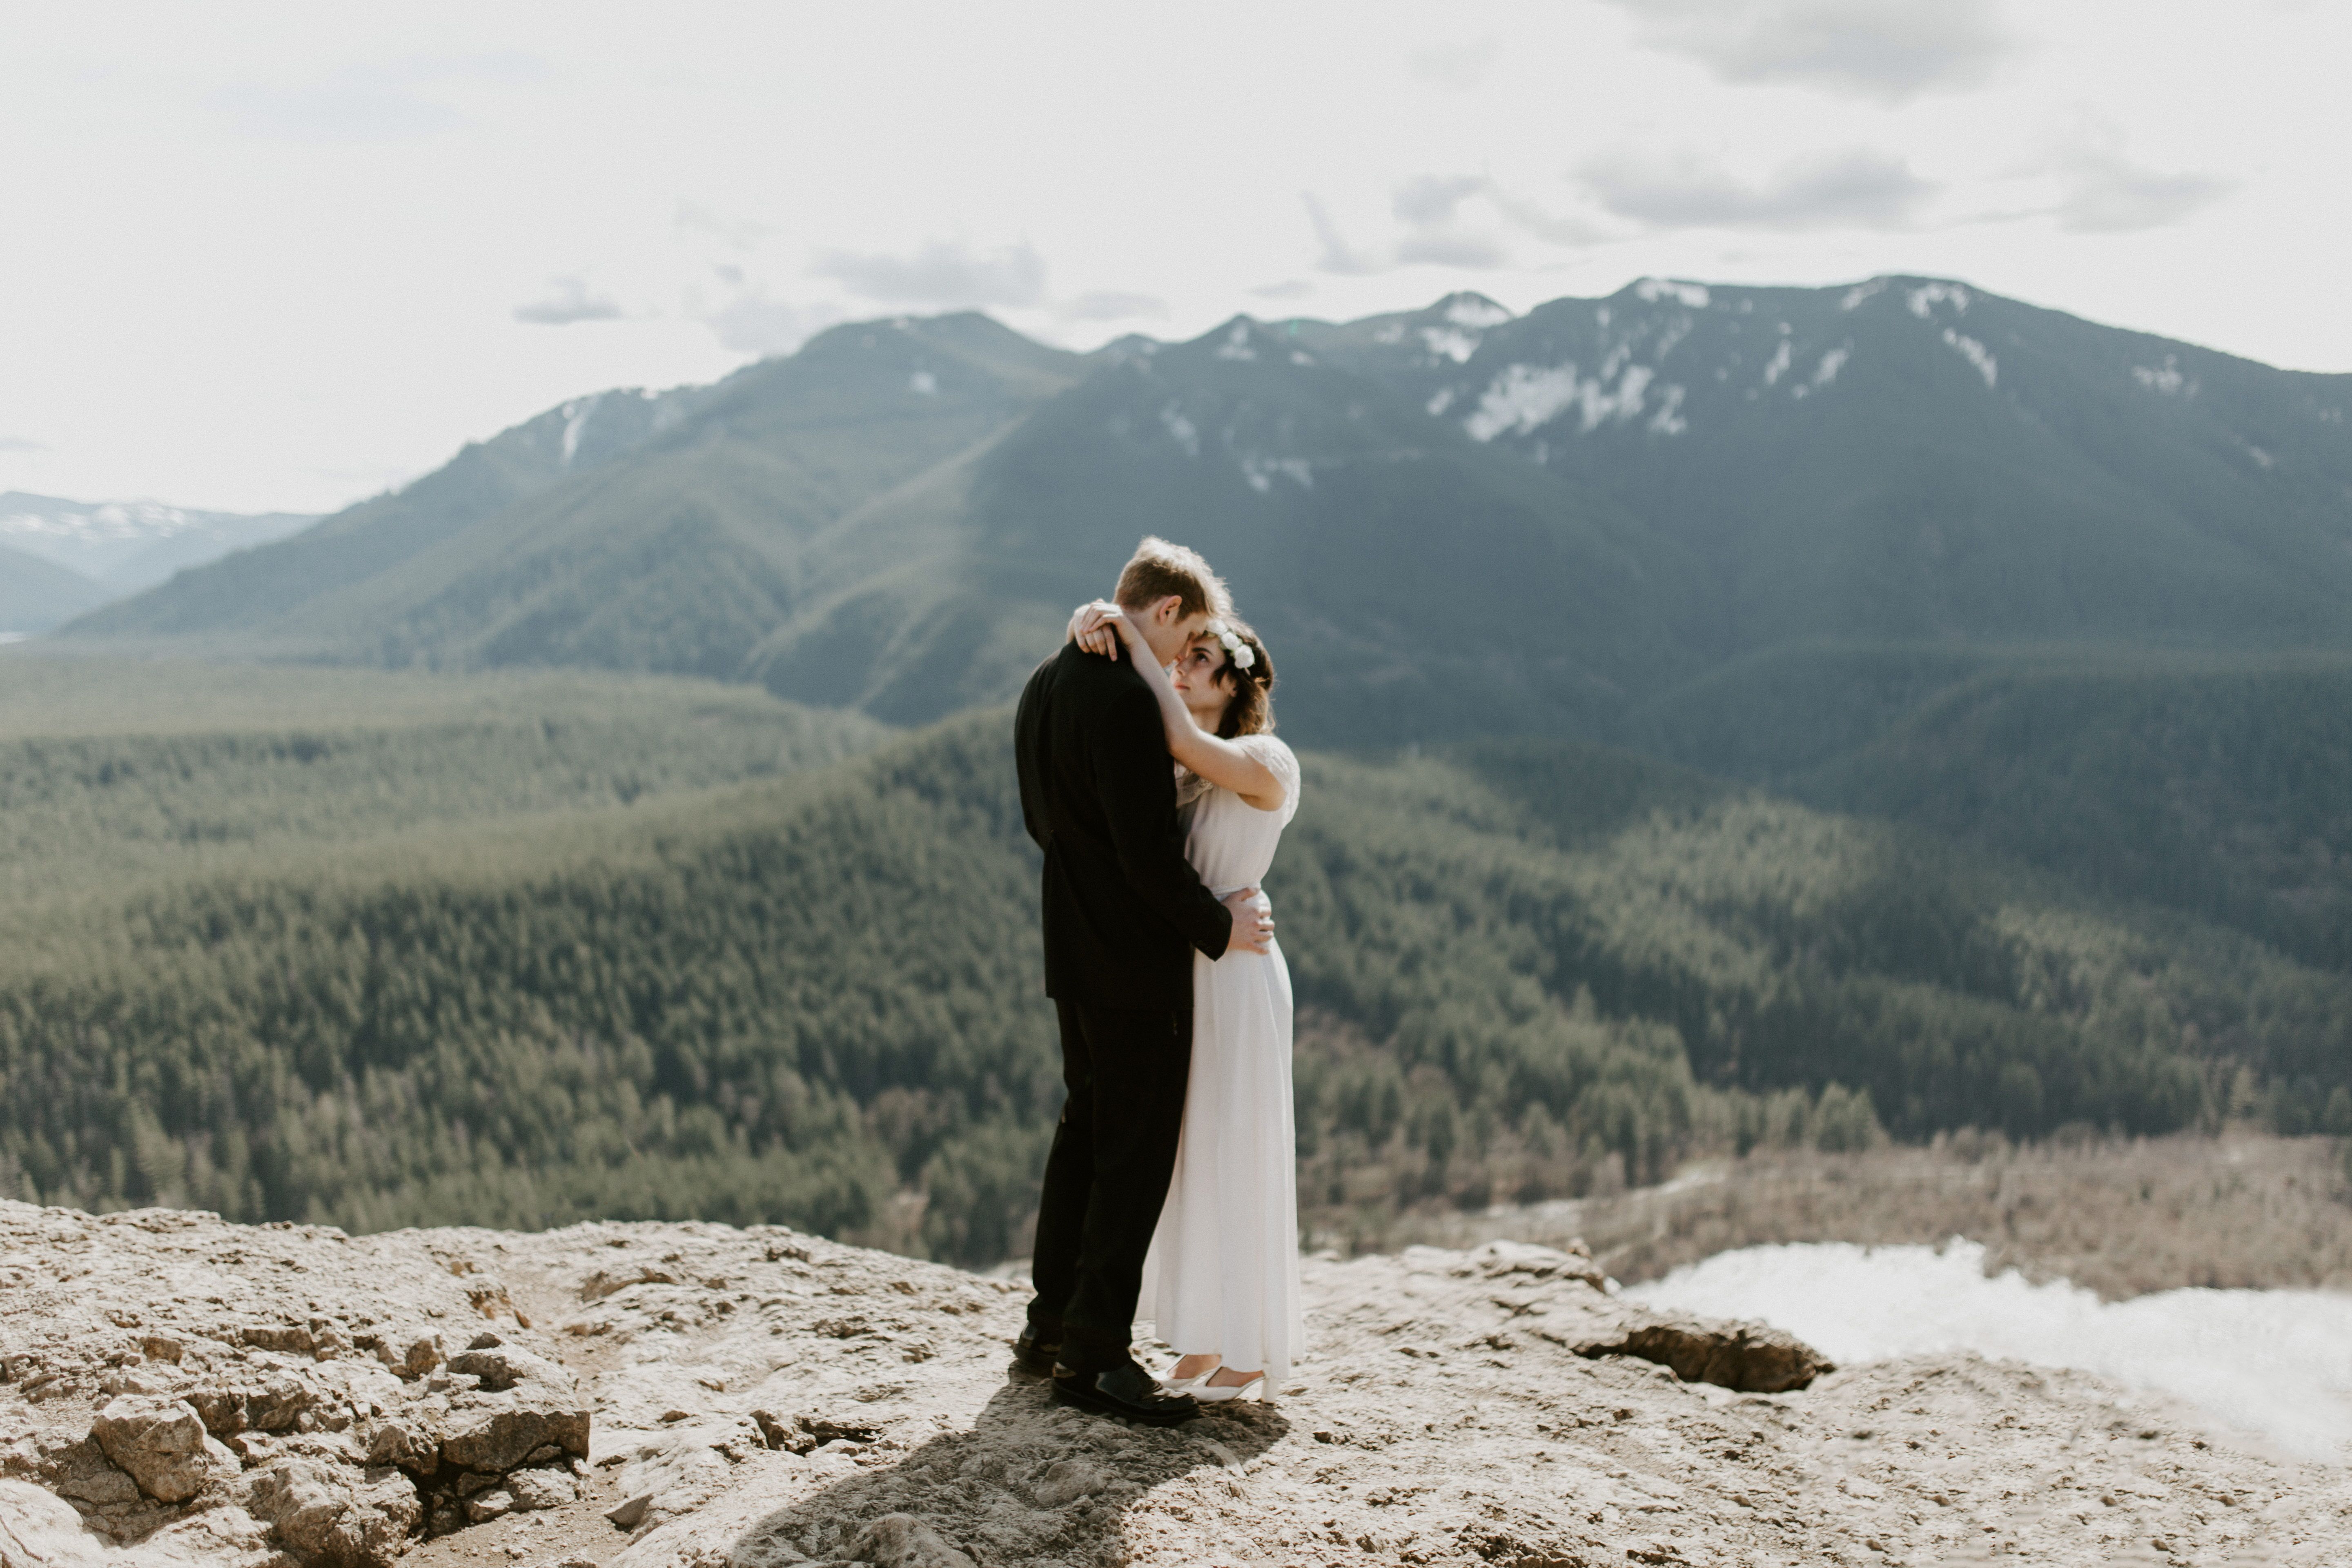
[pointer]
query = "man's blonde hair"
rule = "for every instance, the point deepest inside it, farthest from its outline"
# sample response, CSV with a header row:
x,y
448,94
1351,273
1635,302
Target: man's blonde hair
x,y
1158,569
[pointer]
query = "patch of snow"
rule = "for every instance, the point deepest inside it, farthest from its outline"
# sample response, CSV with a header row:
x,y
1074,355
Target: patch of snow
x,y
1778,366
132,521
6,638
1237,344
1861,291
2259,456
2167,378
1975,353
1391,333
1442,402
1261,472
1668,420
1832,362
925,383
576,414
1525,397
1520,399
1454,344
1927,296
1186,434
1671,338
1653,289
2278,1363
1300,356
1476,313
1601,318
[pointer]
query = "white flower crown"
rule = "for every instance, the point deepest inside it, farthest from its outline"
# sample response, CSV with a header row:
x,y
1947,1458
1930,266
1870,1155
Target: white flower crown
x,y
1240,653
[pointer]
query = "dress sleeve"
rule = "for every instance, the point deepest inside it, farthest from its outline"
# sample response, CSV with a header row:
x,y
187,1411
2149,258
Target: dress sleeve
x,y
1283,764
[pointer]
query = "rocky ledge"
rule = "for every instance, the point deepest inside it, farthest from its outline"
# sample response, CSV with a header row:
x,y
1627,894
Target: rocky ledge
x,y
173,1389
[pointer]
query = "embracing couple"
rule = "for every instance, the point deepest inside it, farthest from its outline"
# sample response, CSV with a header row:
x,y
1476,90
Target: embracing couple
x,y
1152,779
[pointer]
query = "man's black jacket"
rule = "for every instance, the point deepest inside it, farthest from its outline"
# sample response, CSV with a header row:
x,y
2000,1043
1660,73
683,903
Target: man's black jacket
x,y
1123,906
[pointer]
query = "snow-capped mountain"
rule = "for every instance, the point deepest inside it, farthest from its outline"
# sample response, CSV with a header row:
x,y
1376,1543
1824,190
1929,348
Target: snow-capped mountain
x,y
1453,521
125,546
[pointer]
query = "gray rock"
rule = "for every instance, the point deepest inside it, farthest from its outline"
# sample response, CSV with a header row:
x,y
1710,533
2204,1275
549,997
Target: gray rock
x,y
410,1438
486,1506
286,1338
38,1530
162,1443
902,1541
535,1489
630,1513
1754,1358
82,1471
326,1515
422,1356
1066,1481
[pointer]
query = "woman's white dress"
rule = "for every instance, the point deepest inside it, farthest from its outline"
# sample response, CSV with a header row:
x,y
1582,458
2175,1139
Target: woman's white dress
x,y
1222,1274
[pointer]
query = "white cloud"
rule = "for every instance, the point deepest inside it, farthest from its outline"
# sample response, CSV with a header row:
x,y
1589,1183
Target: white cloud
x,y
567,300
1338,256
19,444
943,272
753,323
1113,305
734,233
1891,50
1853,188
2104,194
1459,66
1430,200
395,100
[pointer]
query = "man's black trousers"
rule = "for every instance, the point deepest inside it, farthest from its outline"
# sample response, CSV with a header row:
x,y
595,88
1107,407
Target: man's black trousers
x,y
1107,1175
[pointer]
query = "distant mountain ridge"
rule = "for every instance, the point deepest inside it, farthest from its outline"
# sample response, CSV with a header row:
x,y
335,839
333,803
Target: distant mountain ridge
x,y
106,549
1450,522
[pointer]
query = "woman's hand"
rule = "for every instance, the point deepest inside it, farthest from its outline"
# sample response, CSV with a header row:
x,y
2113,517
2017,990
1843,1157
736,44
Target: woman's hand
x,y
1099,626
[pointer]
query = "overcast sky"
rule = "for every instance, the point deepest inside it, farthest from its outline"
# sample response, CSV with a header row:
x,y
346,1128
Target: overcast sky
x,y
261,256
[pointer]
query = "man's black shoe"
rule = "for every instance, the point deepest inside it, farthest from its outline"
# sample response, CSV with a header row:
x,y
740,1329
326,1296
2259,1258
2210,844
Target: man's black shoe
x,y
1126,1391
1034,1356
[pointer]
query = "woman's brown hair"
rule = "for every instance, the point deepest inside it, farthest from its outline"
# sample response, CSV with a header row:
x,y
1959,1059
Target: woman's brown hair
x,y
1250,710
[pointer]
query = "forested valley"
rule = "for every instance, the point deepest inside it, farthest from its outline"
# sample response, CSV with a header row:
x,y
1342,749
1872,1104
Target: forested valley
x,y
520,949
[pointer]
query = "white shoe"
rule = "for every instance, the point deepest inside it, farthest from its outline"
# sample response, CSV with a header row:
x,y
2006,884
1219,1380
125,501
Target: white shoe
x,y
1174,1384
1208,1393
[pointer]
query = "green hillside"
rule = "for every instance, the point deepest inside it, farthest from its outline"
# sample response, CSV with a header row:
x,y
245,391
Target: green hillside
x,y
120,776
1527,968
2216,786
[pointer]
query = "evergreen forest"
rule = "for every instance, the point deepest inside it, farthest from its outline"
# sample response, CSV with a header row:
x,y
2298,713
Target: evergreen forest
x,y
519,950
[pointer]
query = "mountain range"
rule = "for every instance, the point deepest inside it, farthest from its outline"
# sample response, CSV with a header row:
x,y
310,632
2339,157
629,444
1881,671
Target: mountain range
x,y
1903,547
59,558
1449,521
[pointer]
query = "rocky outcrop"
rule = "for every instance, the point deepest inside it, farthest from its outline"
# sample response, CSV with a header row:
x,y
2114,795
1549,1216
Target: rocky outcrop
x,y
285,1387
161,1444
762,1399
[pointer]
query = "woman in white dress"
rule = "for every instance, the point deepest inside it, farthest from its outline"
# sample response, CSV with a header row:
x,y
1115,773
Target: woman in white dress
x,y
1221,1280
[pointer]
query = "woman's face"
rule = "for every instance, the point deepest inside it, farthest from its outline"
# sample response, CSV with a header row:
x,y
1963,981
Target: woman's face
x,y
1200,676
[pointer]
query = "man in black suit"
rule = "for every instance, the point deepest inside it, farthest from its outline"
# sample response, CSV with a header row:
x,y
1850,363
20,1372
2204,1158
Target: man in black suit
x,y
1123,912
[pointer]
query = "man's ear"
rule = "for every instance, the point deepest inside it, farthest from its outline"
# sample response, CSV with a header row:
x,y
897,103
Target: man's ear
x,y
1168,611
